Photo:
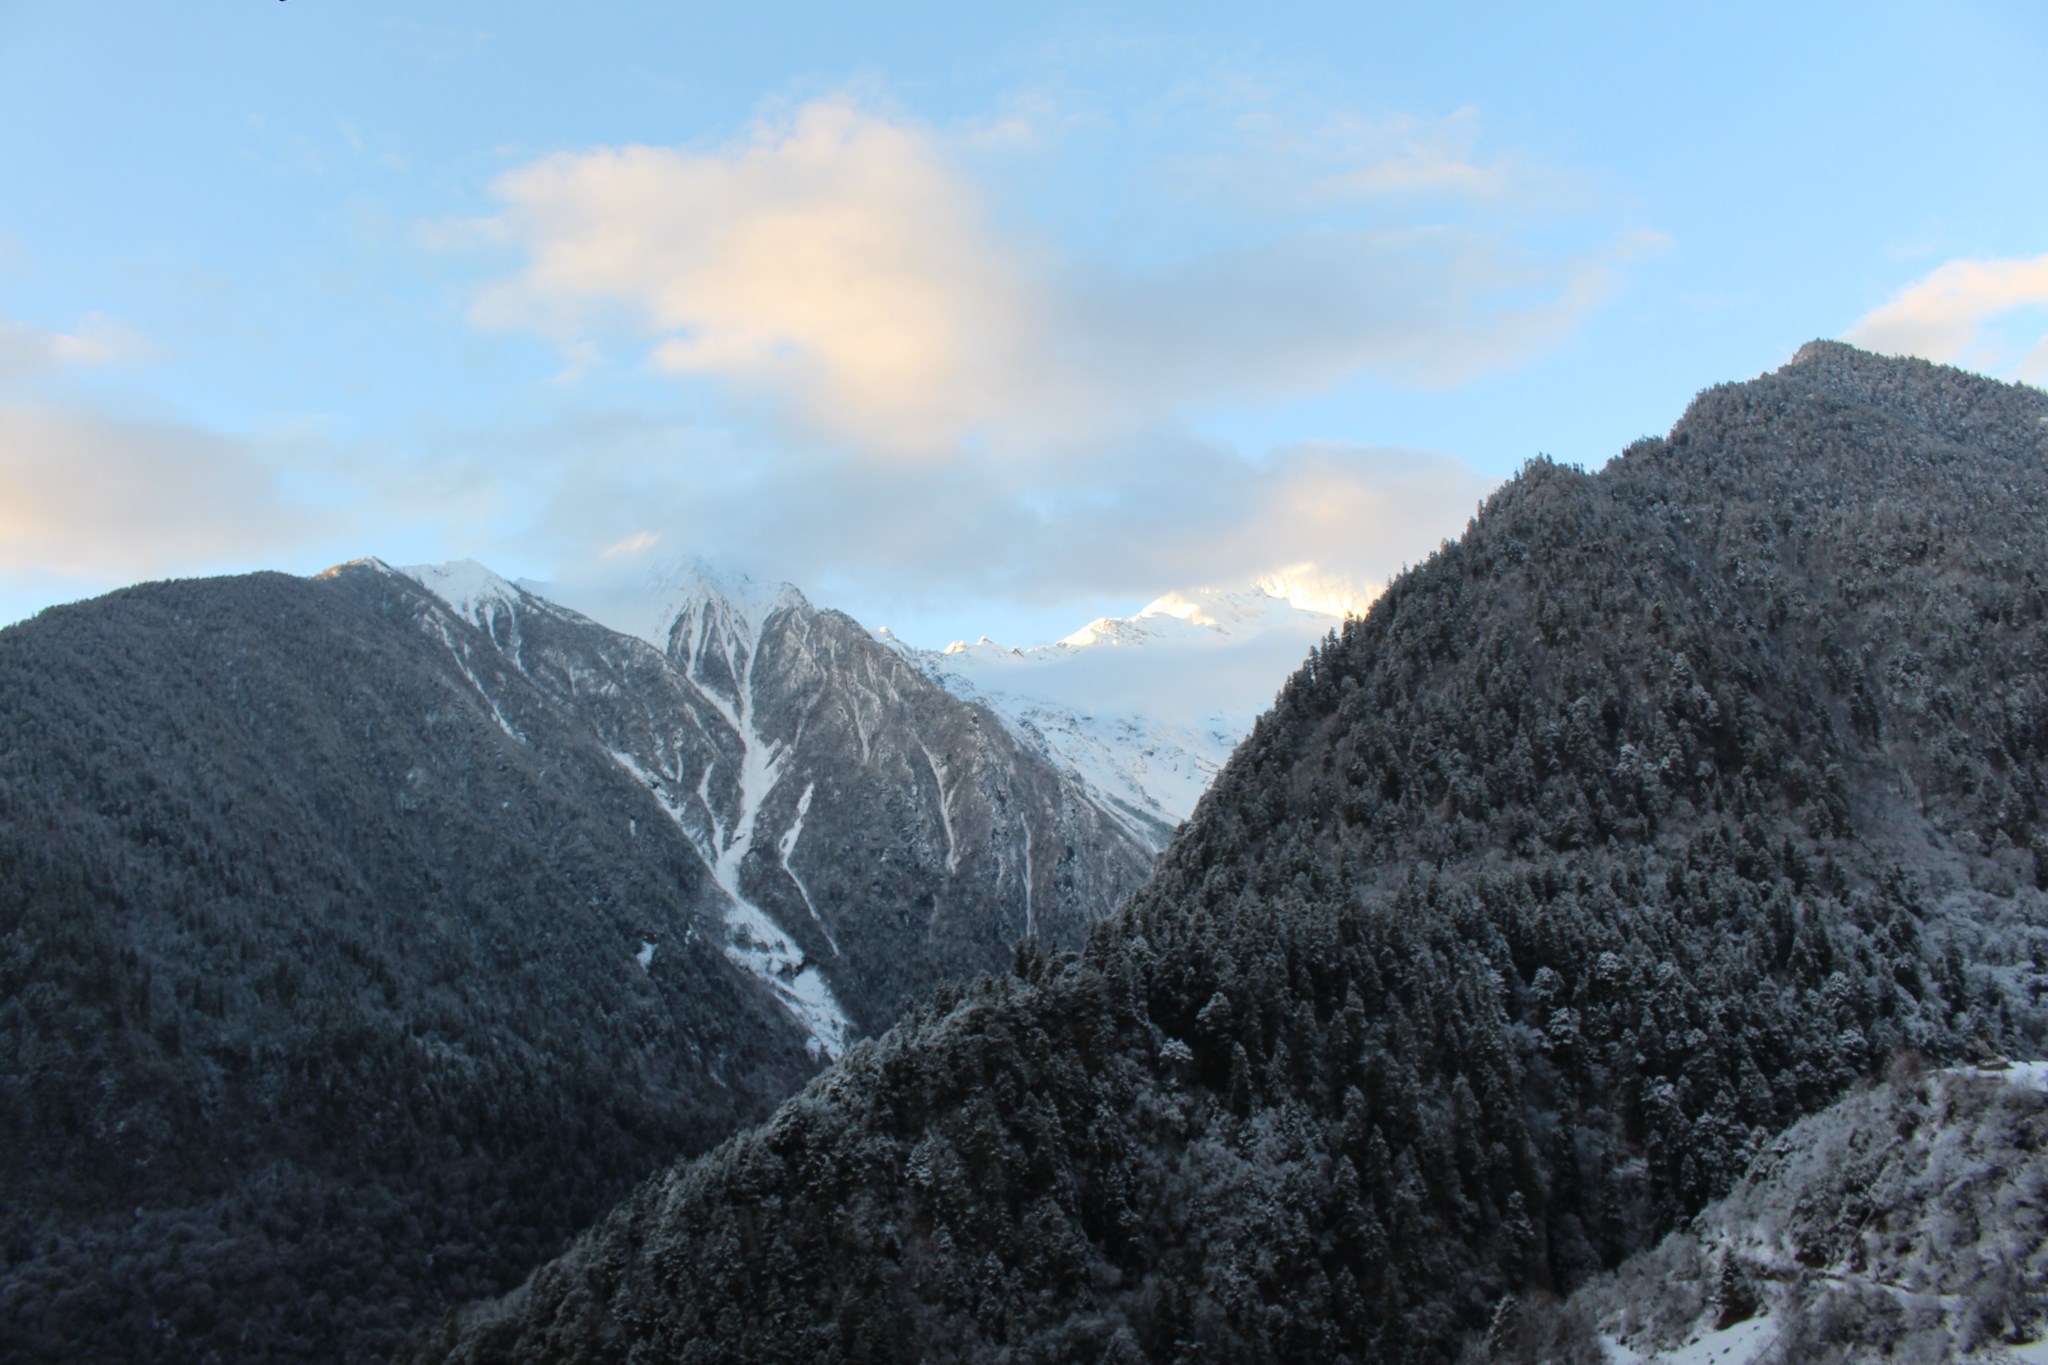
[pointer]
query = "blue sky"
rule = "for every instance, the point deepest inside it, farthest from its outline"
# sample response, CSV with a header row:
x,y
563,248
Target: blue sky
x,y
963,321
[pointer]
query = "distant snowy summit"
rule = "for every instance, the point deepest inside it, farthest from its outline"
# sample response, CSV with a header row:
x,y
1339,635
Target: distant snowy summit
x,y
1146,708
1142,710
822,782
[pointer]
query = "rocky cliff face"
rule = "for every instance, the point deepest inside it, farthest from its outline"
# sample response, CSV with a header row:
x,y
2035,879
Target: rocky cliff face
x,y
871,834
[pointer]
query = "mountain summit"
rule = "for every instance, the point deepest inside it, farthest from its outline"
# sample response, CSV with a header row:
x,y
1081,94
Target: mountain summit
x,y
363,937
1642,820
1144,709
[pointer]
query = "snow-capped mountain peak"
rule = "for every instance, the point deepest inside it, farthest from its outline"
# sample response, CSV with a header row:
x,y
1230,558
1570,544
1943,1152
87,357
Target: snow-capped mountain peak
x,y
692,582
1145,708
1302,587
682,594
465,585
1227,613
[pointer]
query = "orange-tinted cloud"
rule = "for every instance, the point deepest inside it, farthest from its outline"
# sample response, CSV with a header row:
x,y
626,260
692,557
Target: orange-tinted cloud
x,y
1952,313
847,265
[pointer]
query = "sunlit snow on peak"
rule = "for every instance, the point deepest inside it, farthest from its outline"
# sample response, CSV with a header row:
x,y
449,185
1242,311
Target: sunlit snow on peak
x,y
1280,600
463,584
1146,707
648,604
1299,585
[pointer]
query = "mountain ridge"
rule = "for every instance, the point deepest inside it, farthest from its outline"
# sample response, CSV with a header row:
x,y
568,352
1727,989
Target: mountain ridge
x,y
360,939
1628,828
1116,702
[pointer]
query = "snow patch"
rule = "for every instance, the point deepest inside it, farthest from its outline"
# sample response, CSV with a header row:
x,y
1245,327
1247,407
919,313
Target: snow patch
x,y
754,942
464,585
760,947
461,658
645,957
787,846
945,808
1030,917
1742,1344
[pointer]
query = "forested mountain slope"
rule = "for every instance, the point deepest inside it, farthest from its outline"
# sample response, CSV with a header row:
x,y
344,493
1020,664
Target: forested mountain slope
x,y
873,835
359,943
1629,828
1904,1222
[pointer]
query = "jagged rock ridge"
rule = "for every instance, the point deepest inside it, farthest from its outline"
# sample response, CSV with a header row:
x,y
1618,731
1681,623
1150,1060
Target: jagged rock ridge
x,y
873,835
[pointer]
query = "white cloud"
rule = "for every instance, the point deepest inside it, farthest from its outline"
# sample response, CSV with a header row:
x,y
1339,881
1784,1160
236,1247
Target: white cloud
x,y
897,540
1397,160
103,498
847,265
942,400
638,543
835,260
1962,313
96,341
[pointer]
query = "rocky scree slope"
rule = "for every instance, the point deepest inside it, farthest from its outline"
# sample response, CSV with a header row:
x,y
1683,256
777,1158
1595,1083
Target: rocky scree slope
x,y
1634,825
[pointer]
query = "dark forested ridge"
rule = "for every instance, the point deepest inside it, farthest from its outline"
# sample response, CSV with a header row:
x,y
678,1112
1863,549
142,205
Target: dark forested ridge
x,y
1645,818
355,951
315,999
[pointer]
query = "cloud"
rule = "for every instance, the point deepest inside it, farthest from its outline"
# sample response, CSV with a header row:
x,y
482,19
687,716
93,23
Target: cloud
x,y
936,381
637,543
836,260
891,540
92,496
96,341
1962,313
1398,160
848,267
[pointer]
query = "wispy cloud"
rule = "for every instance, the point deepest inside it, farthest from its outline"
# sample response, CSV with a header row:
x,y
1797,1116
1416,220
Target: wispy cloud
x,y
846,264
938,396
92,496
1398,163
1968,312
28,350
1135,519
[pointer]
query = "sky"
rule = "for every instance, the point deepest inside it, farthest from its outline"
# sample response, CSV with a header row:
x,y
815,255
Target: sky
x,y
965,321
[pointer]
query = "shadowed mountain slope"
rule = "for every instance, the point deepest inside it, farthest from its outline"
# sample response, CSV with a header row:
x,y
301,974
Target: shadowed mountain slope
x,y
358,943
1632,826
872,834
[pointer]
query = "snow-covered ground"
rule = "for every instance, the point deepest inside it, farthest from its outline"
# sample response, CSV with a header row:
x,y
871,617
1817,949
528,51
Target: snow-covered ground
x,y
1740,1344
1904,1223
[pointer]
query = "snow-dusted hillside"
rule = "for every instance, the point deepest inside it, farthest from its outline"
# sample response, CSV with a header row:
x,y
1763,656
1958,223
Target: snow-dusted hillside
x,y
1145,708
868,835
1907,1222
